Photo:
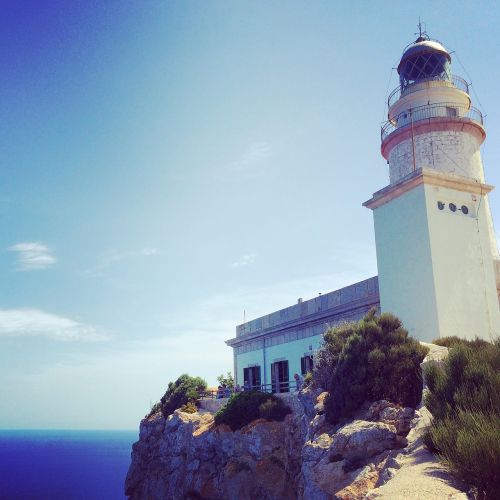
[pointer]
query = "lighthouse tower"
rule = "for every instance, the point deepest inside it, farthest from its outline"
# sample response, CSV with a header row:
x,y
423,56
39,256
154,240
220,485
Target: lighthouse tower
x,y
436,251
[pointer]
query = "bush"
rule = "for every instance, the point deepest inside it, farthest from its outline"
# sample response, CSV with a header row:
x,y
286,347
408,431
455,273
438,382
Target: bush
x,y
366,361
464,399
469,380
327,357
454,341
155,408
226,380
274,409
245,407
184,390
308,379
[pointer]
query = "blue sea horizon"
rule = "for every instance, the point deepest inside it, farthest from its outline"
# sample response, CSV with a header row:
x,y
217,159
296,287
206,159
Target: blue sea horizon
x,y
64,464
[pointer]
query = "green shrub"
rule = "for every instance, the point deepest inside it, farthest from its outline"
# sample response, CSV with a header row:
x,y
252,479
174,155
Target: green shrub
x,y
469,380
469,443
366,361
453,341
327,357
273,409
464,399
245,407
308,379
184,390
226,380
155,408
450,341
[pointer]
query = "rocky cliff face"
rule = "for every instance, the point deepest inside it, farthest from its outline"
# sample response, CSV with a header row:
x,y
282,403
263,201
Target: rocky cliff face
x,y
187,456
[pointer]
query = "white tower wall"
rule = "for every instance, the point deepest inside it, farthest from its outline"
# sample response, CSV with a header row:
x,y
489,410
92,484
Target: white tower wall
x,y
446,151
404,261
435,266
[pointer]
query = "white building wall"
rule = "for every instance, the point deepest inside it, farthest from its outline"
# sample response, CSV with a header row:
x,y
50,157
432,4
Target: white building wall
x,y
290,351
427,93
447,151
246,360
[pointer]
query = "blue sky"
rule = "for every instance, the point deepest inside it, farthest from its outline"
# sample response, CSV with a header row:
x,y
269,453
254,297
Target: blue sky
x,y
167,165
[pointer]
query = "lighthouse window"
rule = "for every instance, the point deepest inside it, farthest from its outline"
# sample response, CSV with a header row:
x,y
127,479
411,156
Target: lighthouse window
x,y
440,205
465,210
426,66
451,112
453,207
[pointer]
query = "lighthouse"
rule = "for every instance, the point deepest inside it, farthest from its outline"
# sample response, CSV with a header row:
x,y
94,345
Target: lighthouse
x,y
437,255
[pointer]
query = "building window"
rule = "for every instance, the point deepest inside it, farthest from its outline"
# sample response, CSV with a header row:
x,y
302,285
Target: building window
x,y
251,378
280,376
306,364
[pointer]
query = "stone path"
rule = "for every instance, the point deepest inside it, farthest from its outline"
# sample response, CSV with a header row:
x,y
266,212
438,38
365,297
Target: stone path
x,y
417,473
420,477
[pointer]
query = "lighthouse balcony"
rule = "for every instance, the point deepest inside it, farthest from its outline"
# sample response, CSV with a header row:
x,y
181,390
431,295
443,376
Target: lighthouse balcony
x,y
442,112
455,82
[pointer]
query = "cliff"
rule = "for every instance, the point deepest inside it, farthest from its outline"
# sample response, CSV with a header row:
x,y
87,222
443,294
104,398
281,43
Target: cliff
x,y
377,455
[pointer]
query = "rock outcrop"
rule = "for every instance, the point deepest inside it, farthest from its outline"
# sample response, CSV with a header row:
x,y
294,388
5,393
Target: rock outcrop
x,y
187,456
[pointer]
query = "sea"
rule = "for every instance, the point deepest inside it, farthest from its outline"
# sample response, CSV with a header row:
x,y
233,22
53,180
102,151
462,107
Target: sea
x,y
64,465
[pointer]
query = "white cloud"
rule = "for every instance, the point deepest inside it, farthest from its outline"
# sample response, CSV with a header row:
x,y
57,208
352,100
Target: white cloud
x,y
32,256
149,251
244,260
36,323
255,154
112,257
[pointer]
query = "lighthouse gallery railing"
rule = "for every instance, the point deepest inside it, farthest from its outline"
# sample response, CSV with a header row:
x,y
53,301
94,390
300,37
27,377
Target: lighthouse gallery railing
x,y
442,110
455,82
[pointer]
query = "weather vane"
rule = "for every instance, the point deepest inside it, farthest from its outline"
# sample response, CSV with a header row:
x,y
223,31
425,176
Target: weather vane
x,y
421,32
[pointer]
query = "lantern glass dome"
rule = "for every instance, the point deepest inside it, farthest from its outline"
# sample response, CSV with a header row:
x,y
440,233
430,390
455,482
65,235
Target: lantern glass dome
x,y
424,60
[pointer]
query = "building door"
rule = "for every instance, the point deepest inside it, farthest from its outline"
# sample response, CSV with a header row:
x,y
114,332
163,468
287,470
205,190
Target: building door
x,y
279,375
251,376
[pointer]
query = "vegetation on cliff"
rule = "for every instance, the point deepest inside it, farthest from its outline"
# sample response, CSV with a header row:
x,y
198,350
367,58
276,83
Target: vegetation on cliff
x,y
183,393
244,407
368,360
464,399
227,380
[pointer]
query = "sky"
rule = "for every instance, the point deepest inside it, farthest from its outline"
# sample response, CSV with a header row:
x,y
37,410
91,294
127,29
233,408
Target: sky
x,y
169,168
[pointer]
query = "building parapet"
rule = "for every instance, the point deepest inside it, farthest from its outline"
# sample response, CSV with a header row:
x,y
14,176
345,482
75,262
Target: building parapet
x,y
311,311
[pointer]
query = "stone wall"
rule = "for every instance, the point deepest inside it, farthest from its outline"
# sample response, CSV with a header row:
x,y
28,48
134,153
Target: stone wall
x,y
449,151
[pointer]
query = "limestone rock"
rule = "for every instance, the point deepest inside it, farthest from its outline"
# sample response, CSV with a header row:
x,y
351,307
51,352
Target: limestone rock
x,y
361,439
308,398
187,455
375,408
316,425
387,412
303,457
319,407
